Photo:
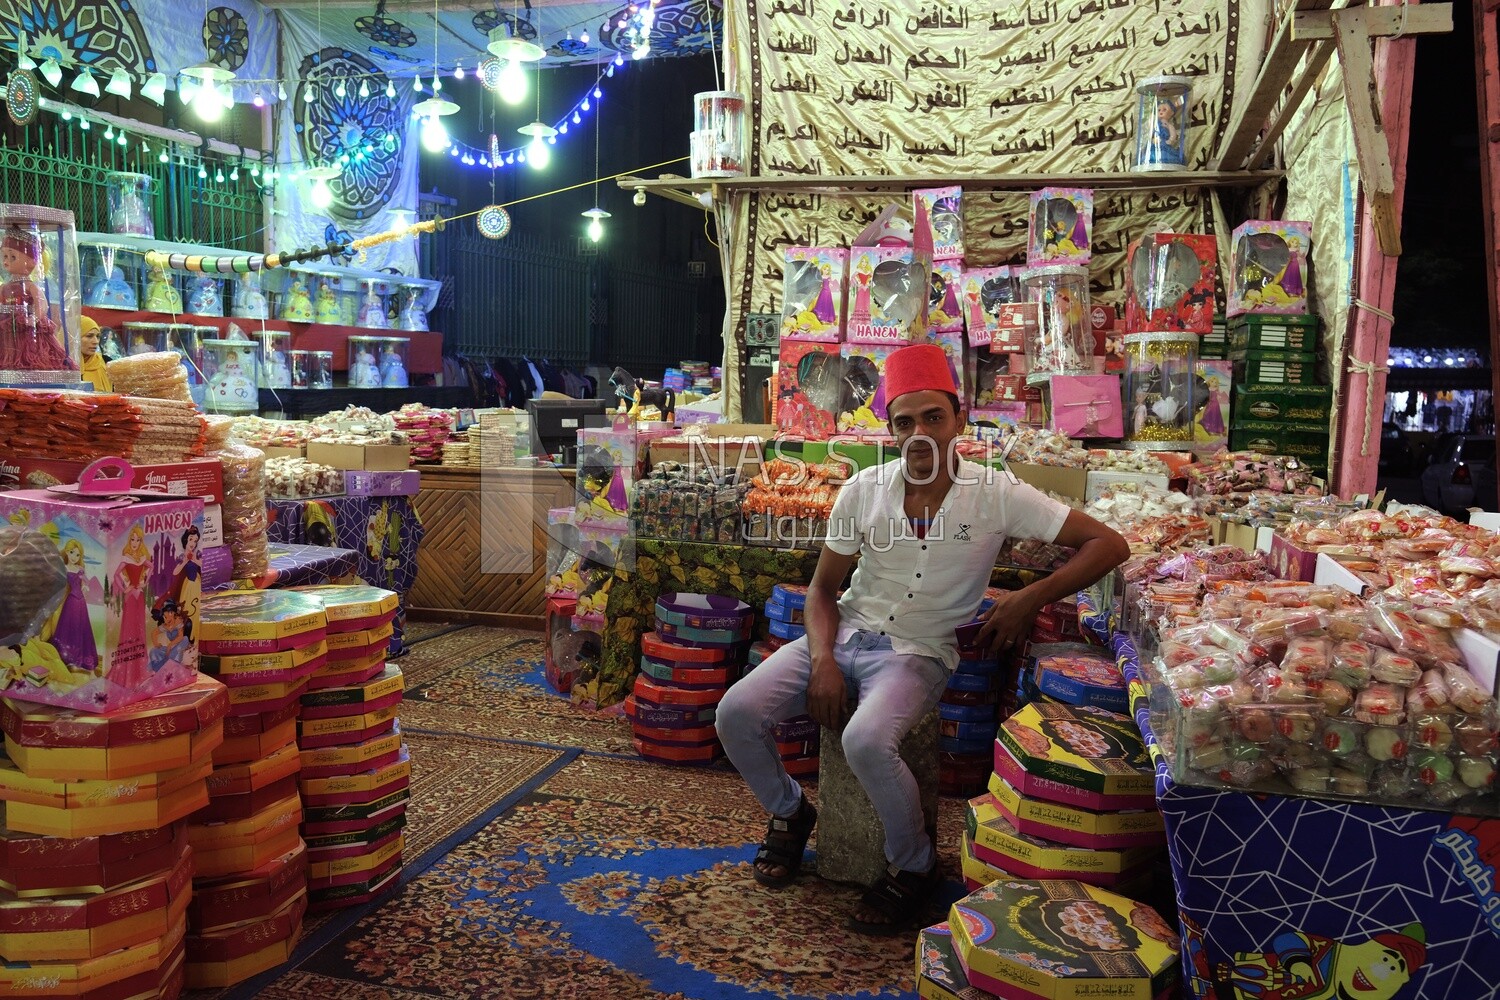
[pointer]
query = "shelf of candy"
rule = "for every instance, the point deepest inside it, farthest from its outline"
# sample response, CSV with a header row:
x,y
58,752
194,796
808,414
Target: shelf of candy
x,y
706,507
426,428
299,479
1300,689
789,503
674,724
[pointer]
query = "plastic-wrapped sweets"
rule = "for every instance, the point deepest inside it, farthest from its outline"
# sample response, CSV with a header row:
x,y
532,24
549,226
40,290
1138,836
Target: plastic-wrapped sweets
x,y
245,522
299,479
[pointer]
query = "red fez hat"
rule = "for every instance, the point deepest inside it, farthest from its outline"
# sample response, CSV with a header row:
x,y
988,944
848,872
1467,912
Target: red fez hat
x,y
916,368
1410,944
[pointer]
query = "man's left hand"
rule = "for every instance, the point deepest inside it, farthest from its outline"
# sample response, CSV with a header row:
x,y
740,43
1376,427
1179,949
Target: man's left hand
x,y
1009,623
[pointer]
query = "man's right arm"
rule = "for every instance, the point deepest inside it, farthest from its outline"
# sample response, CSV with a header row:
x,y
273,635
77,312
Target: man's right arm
x,y
825,688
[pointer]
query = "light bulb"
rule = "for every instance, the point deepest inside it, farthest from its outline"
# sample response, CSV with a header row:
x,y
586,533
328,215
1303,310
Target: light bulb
x,y
584,38
364,88
321,195
585,104
458,72
510,158
119,83
83,123
563,128
340,91
417,85
67,116
512,84
453,151
609,70
390,89
202,173
389,143
219,176
537,154
598,93
437,82
576,119
552,140
596,230
434,135
109,132
208,103
309,92
228,94
281,91
257,100
120,139
164,158
234,174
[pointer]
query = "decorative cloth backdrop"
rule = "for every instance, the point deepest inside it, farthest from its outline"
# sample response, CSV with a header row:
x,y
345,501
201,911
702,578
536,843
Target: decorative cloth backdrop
x,y
1019,87
145,36
375,131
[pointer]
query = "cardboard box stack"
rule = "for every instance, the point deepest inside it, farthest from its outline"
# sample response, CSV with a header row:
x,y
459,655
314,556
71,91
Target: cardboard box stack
x,y
250,886
1282,402
95,861
1072,797
355,767
969,715
696,652
798,738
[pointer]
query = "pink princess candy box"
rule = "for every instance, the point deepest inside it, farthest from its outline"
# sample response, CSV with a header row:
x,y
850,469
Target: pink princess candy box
x,y
1268,268
945,313
813,288
943,210
125,629
1061,226
1087,406
889,282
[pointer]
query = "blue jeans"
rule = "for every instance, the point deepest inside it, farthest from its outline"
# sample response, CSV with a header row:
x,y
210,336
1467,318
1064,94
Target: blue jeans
x,y
895,691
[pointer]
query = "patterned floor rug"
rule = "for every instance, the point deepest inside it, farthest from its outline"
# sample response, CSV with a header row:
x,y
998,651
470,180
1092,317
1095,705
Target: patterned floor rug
x,y
598,875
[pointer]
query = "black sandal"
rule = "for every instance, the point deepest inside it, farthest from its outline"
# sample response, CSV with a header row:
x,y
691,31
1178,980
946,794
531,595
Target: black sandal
x,y
785,843
899,896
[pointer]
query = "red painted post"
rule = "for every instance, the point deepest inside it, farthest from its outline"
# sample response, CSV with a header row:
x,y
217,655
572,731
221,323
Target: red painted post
x,y
1369,336
1487,82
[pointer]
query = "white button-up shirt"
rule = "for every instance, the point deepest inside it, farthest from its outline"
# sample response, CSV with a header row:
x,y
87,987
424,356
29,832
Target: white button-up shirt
x,y
918,590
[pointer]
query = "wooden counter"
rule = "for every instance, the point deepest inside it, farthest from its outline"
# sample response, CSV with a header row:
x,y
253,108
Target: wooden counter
x,y
484,559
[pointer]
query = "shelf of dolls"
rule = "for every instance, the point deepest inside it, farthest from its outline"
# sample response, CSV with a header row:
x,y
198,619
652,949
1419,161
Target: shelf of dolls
x,y
425,355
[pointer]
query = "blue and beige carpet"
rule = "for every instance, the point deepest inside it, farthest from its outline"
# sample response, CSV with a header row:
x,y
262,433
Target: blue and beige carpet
x,y
546,860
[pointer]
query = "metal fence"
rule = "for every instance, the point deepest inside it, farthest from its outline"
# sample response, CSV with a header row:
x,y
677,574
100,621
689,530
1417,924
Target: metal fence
x,y
59,164
524,296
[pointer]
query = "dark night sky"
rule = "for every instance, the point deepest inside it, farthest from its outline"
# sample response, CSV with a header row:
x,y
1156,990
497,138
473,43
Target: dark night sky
x,y
1440,281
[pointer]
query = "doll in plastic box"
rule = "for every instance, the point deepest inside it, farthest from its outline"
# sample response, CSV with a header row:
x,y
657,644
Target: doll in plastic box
x,y
230,384
298,304
392,368
249,300
203,300
413,316
327,307
161,295
32,341
364,373
372,310
1213,414
109,290
278,373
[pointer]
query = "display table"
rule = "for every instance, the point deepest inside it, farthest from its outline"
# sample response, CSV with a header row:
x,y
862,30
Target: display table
x,y
308,565
485,561
1262,879
384,534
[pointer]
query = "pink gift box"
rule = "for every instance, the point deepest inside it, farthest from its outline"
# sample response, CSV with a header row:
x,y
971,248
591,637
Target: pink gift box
x,y
1087,406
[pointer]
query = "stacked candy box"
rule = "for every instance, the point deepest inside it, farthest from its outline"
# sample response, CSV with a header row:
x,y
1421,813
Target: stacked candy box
x,y
994,849
427,428
785,610
251,863
939,974
696,652
96,864
973,696
1023,939
349,727
1077,776
1076,674
1299,689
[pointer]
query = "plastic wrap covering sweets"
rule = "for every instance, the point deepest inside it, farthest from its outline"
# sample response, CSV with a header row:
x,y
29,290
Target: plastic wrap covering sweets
x,y
155,375
1030,553
1128,506
789,503
245,508
1230,476
299,479
678,504
76,426
1040,447
1109,460
427,428
1307,690
258,432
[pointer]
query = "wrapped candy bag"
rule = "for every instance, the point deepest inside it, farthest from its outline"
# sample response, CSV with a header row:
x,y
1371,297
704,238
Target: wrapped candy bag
x,y
1392,668
1308,658
1351,661
1381,705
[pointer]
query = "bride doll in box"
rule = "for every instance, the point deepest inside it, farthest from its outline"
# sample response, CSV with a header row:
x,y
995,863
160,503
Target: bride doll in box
x,y
28,330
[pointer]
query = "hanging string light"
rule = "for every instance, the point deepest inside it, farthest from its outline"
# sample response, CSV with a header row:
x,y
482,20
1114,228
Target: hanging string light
x,y
513,53
433,110
596,215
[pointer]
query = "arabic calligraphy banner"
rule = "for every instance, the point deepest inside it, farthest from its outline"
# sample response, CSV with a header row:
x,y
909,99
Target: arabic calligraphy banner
x,y
1047,86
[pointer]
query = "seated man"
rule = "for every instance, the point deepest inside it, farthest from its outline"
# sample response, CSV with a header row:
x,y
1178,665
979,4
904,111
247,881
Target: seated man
x,y
927,529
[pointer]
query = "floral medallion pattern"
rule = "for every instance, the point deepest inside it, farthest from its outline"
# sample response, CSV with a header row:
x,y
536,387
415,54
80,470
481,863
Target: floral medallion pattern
x,y
337,127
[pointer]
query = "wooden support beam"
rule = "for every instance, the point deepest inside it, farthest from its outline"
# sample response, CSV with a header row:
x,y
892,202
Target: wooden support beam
x,y
1276,71
1362,97
1380,22
664,187
866,185
1487,84
1313,69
